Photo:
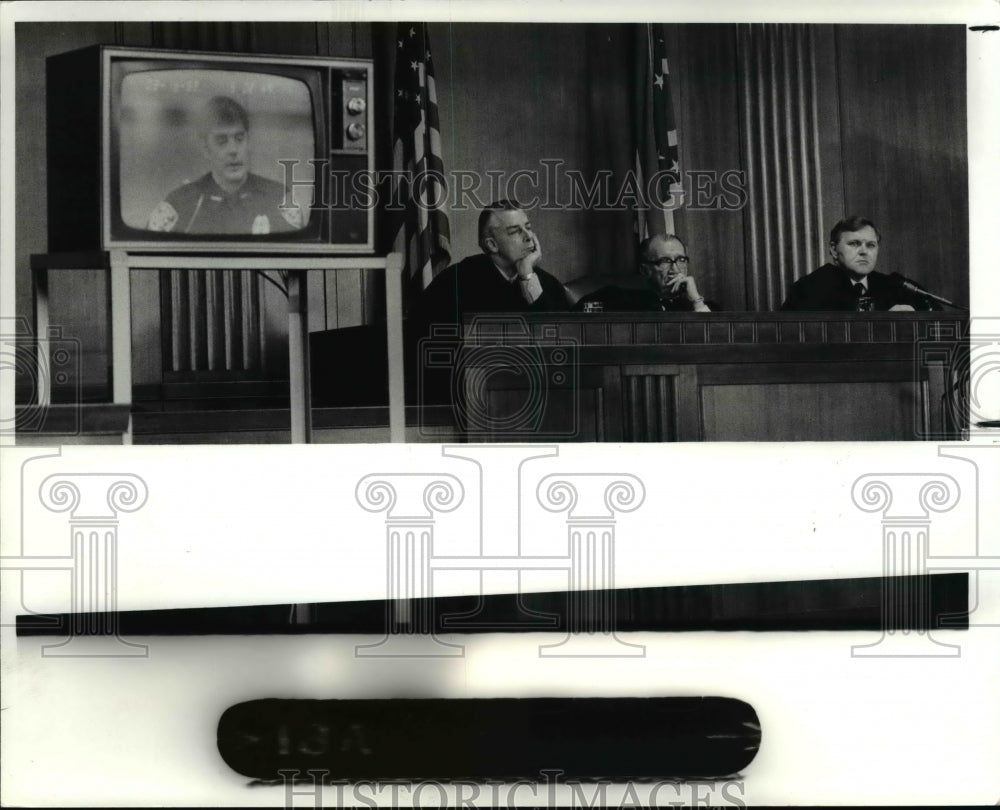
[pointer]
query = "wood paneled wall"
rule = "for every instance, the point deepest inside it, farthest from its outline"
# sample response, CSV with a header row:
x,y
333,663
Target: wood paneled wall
x,y
780,149
706,85
903,131
891,106
79,301
890,139
514,95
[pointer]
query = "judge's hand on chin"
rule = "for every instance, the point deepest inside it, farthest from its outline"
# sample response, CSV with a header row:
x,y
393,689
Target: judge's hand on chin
x,y
525,266
901,308
682,280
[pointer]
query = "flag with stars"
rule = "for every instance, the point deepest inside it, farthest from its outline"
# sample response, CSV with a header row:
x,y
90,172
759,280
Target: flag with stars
x,y
422,232
657,152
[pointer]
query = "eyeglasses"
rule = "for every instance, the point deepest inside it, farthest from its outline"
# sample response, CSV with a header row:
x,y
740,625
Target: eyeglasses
x,y
666,261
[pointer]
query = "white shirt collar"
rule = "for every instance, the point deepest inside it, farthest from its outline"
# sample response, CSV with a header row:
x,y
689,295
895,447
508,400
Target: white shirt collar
x,y
508,275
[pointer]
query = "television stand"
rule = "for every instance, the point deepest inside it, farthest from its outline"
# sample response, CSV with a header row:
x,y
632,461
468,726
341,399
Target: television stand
x,y
120,265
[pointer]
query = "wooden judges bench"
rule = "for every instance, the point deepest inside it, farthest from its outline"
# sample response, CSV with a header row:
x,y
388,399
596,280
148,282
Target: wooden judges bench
x,y
637,377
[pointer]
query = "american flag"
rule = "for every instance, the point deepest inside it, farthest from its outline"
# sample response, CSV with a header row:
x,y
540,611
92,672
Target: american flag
x,y
656,146
423,235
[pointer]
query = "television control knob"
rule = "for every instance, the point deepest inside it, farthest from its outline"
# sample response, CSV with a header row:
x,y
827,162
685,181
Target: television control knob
x,y
356,105
355,131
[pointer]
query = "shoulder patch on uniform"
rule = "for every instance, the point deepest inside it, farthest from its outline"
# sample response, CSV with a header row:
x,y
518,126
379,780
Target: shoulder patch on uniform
x,y
261,225
163,218
293,216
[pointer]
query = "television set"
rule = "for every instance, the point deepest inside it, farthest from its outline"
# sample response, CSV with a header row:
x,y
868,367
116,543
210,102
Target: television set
x,y
154,150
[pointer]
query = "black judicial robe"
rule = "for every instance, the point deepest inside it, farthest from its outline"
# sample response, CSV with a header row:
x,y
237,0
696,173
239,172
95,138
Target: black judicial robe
x,y
634,299
476,285
434,326
831,289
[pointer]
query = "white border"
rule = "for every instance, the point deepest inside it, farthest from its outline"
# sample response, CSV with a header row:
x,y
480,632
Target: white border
x,y
844,704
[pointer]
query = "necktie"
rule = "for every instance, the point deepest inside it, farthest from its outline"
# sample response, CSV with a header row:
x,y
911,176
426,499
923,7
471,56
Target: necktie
x,y
863,302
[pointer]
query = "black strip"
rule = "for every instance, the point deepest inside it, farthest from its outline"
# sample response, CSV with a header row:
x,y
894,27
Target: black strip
x,y
935,601
496,738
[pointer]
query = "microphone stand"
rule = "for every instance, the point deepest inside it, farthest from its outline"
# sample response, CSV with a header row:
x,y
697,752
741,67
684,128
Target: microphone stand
x,y
908,285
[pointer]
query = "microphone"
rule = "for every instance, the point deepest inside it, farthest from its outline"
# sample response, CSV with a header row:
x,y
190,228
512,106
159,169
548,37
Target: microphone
x,y
913,287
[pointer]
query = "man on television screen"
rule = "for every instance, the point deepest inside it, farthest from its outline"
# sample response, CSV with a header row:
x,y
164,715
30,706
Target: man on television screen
x,y
229,199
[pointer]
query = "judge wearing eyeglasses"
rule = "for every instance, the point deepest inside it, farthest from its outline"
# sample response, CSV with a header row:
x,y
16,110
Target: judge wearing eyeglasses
x,y
664,283
664,263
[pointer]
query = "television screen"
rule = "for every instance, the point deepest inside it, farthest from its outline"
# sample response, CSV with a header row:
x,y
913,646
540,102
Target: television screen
x,y
200,151
173,151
